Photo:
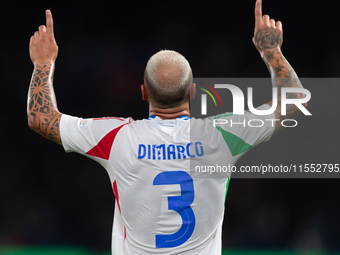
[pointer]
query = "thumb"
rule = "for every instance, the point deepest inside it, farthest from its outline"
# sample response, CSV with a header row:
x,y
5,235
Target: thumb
x,y
32,41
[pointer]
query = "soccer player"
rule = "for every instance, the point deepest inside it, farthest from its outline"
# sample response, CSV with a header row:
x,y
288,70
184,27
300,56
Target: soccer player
x,y
162,206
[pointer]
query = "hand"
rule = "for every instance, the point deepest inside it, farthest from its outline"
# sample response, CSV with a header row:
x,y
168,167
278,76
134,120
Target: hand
x,y
43,47
268,34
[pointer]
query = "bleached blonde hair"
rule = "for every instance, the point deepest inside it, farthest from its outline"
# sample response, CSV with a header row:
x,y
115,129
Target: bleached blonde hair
x,y
168,78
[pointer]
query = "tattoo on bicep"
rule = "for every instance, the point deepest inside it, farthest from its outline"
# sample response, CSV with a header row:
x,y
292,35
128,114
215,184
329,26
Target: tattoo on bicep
x,y
43,114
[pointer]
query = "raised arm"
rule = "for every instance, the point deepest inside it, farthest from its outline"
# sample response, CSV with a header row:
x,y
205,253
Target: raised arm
x,y
268,37
42,112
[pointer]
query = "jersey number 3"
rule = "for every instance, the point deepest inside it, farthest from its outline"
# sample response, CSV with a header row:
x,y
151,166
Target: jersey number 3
x,y
181,205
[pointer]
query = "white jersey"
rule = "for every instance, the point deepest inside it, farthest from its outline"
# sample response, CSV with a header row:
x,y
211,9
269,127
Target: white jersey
x,y
165,202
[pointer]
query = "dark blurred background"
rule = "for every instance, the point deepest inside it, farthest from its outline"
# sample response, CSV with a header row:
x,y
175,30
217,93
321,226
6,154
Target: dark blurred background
x,y
48,197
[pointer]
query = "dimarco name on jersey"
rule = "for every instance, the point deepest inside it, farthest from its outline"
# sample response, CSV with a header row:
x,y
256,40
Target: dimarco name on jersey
x,y
171,151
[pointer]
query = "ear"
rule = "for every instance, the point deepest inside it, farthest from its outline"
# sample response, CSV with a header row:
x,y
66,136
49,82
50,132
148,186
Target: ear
x,y
193,90
145,96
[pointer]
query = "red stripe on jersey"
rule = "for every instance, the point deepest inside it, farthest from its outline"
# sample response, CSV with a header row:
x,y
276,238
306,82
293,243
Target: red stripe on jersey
x,y
103,148
115,192
109,118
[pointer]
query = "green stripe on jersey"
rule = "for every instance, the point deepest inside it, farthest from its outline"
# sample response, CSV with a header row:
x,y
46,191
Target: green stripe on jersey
x,y
236,144
226,190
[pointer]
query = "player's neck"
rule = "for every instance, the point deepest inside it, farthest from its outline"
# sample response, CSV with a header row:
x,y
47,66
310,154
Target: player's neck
x,y
170,113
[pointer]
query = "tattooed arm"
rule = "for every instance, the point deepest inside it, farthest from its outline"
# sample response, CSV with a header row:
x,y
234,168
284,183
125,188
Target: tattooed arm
x,y
42,112
268,38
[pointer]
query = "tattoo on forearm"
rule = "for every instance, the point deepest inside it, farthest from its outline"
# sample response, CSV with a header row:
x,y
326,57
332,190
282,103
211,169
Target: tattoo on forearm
x,y
283,75
42,112
268,42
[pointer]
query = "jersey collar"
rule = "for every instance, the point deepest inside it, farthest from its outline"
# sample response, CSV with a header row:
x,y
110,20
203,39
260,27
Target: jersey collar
x,y
183,117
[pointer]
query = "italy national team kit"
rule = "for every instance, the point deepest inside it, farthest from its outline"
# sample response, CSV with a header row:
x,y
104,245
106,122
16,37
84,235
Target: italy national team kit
x,y
166,201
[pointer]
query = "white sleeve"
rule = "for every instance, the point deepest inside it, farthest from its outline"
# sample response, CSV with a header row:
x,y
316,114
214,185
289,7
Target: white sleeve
x,y
251,128
84,135
265,132
74,139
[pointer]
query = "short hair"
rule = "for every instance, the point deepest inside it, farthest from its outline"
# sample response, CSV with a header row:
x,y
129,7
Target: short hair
x,y
168,78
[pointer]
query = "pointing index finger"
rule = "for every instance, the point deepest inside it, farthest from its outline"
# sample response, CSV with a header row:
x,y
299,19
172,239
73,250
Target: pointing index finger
x,y
258,14
49,23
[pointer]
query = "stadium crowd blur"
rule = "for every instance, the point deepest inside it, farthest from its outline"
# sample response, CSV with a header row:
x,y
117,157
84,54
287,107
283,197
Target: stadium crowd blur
x,y
48,197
